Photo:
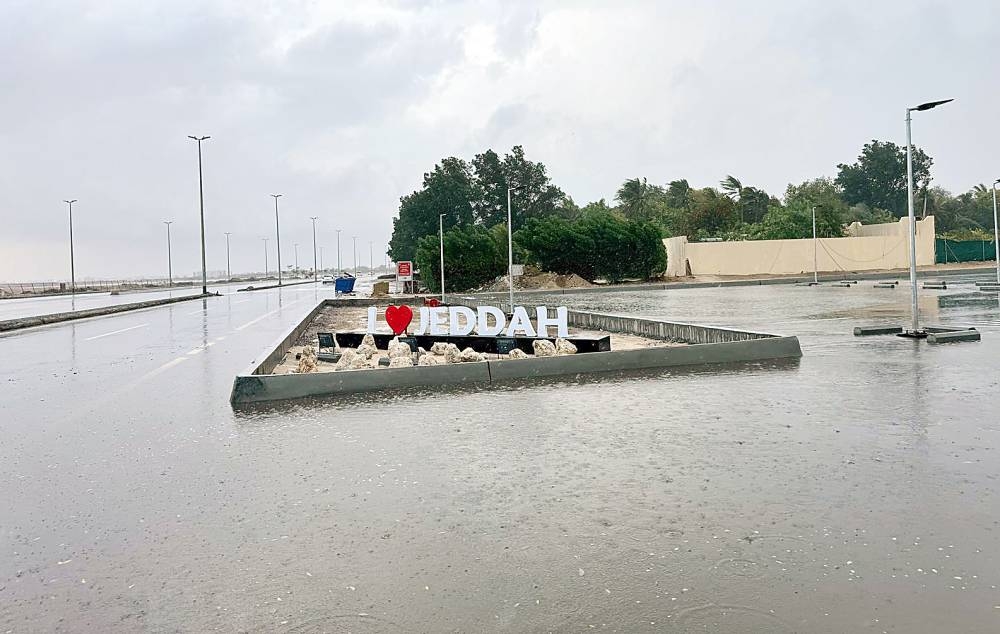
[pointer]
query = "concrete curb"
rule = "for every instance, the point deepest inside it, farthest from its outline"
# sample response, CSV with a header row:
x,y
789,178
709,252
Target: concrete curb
x,y
55,318
708,346
666,286
270,286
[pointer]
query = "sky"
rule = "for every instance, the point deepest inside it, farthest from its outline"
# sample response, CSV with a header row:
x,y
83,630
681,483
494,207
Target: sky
x,y
342,106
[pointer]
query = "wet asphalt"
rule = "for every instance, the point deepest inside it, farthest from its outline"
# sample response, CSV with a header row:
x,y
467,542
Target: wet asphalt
x,y
854,490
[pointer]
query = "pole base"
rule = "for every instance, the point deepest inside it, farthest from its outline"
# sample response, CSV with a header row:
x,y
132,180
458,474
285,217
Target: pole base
x,y
913,334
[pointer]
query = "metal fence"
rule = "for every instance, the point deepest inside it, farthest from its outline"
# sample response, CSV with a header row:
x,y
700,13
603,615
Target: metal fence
x,y
963,250
30,289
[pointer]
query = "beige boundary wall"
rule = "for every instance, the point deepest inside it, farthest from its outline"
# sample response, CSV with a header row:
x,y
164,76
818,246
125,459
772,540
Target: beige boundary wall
x,y
872,247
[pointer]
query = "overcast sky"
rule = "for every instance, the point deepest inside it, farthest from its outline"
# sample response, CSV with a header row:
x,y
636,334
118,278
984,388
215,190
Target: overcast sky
x,y
342,106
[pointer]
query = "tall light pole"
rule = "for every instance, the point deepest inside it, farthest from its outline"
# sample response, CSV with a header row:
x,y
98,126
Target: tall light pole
x,y
339,265
296,247
510,249
72,264
321,258
201,202
315,270
355,238
815,265
996,232
441,241
265,256
371,258
170,264
229,270
915,319
277,233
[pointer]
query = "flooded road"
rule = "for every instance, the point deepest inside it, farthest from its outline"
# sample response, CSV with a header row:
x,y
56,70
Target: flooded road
x,y
854,490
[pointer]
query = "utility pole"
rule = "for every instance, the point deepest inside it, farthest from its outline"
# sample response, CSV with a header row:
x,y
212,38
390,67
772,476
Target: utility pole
x,y
265,256
170,265
72,264
339,265
229,270
296,247
996,231
201,201
315,270
915,321
815,266
441,240
371,259
277,233
355,238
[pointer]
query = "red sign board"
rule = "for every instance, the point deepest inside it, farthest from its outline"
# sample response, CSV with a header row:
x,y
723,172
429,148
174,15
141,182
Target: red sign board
x,y
404,271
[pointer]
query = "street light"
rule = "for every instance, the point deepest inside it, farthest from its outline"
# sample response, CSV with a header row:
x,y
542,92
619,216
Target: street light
x,y
915,325
229,270
441,239
339,265
510,249
72,265
815,265
996,232
265,256
315,270
355,238
170,265
277,233
201,201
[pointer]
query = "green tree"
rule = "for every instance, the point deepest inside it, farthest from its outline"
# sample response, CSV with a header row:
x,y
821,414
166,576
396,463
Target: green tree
x,y
783,223
678,194
732,187
640,200
449,189
558,245
711,213
831,210
472,257
534,196
878,178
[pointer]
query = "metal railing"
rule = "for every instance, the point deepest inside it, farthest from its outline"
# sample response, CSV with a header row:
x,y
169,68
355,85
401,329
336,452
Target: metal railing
x,y
35,289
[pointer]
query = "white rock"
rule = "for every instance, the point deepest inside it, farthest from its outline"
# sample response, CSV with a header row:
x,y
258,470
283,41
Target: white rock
x,y
368,340
397,350
367,351
469,355
350,360
544,348
517,353
401,362
431,359
440,348
453,354
307,361
564,347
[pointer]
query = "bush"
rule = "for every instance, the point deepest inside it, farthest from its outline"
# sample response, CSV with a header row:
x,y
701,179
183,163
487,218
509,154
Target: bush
x,y
472,257
596,246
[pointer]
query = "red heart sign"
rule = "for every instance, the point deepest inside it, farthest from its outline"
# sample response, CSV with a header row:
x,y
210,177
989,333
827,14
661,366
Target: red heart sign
x,y
398,318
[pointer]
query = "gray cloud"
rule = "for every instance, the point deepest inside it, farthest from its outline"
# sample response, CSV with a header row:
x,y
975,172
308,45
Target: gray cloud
x,y
342,106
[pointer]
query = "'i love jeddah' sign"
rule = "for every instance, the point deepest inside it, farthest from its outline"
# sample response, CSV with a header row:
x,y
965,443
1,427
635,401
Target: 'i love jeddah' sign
x,y
460,321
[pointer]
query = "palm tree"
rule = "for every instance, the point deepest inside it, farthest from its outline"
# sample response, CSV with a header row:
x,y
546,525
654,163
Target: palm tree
x,y
636,197
732,186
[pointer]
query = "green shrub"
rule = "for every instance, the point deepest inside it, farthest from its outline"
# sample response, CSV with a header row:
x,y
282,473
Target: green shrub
x,y
472,257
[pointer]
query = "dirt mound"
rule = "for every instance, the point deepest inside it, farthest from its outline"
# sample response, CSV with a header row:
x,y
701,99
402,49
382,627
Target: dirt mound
x,y
538,281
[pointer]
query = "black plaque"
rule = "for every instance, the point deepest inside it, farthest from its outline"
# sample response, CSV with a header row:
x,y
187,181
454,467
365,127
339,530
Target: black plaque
x,y
326,340
505,345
